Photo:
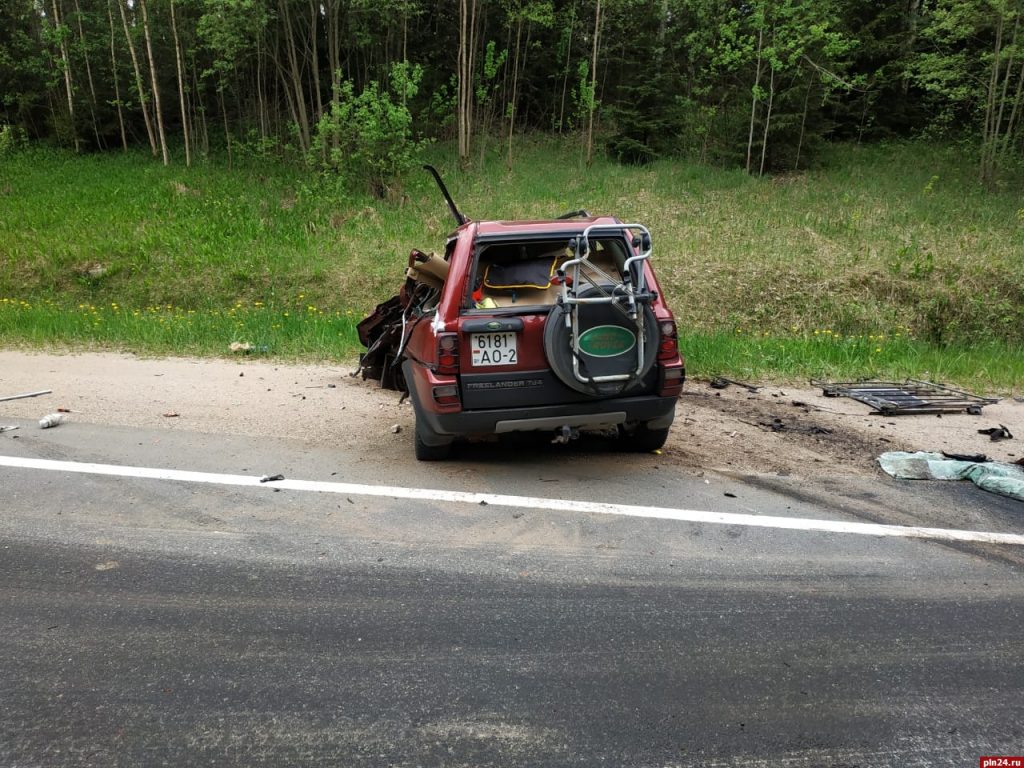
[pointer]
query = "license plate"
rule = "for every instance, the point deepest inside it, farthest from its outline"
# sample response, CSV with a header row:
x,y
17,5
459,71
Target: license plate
x,y
493,349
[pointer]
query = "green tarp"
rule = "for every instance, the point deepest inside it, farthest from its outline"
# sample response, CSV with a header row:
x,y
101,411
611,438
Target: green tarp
x,y
1005,479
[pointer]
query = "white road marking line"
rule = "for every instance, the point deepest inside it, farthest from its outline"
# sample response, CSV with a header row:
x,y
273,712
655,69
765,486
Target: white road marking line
x,y
523,502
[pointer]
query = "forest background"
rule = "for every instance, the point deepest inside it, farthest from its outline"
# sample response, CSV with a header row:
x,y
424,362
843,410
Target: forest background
x,y
839,179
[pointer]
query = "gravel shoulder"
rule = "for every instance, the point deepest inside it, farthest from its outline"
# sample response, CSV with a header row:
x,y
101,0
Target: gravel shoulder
x,y
323,405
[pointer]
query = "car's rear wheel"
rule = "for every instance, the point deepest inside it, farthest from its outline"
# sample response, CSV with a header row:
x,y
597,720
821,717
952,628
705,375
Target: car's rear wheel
x,y
643,439
430,446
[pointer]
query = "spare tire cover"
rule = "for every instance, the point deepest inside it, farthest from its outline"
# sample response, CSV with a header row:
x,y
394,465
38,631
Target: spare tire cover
x,y
607,345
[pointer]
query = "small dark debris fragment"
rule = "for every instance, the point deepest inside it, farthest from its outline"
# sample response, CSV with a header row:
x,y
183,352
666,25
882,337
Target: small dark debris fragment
x,y
730,495
171,414
516,515
977,458
380,559
778,425
996,434
349,500
271,478
483,503
63,410
720,382
799,404
332,386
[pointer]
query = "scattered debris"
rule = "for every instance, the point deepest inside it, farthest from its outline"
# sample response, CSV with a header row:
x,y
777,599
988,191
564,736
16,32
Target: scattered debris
x,y
9,428
240,346
171,414
778,425
25,394
63,410
976,458
912,396
730,495
996,434
396,428
271,478
720,382
51,420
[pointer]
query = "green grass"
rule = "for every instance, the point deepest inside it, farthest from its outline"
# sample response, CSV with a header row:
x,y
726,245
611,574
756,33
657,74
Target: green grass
x,y
892,248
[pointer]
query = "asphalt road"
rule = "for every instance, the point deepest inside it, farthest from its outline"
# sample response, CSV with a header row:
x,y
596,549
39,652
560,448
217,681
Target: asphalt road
x,y
153,622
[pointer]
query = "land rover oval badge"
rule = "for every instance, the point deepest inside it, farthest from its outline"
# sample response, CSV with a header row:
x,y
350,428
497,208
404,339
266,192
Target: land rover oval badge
x,y
607,341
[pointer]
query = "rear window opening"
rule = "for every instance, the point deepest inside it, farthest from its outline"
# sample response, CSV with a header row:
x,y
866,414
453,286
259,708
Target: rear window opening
x,y
522,275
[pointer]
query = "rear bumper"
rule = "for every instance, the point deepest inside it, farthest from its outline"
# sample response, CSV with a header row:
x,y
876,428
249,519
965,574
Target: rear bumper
x,y
654,411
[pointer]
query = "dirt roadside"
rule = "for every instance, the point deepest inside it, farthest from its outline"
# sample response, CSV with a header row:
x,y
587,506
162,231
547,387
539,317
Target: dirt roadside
x,y
322,405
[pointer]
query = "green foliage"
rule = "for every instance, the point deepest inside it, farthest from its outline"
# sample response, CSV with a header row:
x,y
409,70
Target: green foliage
x,y
368,137
487,78
12,141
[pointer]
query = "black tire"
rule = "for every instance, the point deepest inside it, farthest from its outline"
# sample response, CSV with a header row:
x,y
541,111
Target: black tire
x,y
643,439
427,452
558,347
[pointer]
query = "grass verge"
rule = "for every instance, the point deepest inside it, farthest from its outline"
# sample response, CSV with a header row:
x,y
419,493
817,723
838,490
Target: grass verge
x,y
304,331
889,261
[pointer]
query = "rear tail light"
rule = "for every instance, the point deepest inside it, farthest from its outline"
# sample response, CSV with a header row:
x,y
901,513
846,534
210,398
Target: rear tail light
x,y
448,354
668,347
447,394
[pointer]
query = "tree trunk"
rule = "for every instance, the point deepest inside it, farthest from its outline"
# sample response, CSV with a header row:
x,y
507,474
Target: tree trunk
x,y
987,170
568,63
803,122
591,107
227,130
1011,124
1002,96
181,87
202,140
155,86
117,85
138,79
68,85
314,15
296,77
515,88
466,61
767,120
88,74
753,100
910,38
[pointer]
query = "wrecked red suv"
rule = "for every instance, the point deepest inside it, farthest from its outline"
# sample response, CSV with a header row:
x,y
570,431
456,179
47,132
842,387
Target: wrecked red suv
x,y
552,326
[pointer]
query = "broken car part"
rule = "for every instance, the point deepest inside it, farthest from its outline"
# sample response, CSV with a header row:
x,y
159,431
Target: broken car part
x,y
912,396
720,382
26,394
996,434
